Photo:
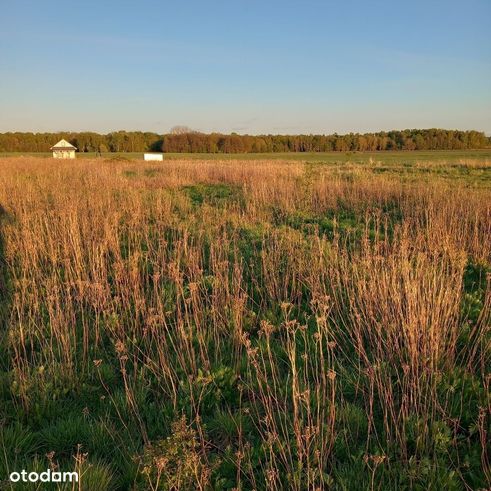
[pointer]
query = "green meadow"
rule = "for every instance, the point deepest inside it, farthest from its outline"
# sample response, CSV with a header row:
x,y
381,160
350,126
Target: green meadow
x,y
247,322
387,156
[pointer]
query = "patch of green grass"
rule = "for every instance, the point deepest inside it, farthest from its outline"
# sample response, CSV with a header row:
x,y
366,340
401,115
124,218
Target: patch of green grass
x,y
388,156
97,476
17,443
64,436
214,194
342,223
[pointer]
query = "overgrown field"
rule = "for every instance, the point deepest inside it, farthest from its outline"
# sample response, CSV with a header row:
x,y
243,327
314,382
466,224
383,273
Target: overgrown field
x,y
382,157
246,325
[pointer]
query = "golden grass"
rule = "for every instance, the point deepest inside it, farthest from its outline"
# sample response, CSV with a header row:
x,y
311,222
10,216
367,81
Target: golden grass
x,y
114,259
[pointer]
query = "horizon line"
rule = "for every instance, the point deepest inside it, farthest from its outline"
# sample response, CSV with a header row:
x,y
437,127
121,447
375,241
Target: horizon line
x,y
194,131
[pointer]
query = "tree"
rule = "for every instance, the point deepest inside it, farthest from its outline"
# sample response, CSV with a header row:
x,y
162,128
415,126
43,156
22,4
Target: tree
x,y
183,139
181,130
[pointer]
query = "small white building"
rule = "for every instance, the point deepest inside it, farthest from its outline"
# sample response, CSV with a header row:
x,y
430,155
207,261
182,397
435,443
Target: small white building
x,y
153,156
63,150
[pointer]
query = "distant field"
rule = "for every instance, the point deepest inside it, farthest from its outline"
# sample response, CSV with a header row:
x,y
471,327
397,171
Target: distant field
x,y
470,168
328,157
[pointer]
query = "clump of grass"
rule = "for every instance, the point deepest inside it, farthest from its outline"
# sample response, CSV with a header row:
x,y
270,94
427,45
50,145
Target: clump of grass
x,y
176,462
213,194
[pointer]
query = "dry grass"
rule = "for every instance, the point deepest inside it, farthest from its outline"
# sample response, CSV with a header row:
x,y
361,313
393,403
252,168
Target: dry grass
x,y
311,324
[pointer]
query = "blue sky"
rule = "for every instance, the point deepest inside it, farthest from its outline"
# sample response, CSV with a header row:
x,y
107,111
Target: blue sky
x,y
245,66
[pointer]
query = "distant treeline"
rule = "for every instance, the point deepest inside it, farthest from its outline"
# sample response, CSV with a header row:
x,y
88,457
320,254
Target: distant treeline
x,y
195,142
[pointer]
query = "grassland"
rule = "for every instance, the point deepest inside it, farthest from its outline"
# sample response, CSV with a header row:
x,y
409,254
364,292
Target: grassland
x,y
247,324
387,157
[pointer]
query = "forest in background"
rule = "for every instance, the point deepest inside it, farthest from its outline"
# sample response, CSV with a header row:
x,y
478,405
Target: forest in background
x,y
189,141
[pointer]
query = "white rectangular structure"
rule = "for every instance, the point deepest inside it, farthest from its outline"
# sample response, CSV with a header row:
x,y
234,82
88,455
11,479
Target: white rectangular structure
x,y
63,150
153,156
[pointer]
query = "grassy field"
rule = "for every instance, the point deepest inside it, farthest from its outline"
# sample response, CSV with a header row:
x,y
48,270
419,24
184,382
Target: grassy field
x,y
392,157
258,323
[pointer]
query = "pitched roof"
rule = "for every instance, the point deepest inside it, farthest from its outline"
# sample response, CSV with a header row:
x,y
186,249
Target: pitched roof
x,y
63,145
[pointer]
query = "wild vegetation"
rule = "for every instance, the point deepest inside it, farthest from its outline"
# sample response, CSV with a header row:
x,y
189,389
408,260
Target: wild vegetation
x,y
184,140
246,325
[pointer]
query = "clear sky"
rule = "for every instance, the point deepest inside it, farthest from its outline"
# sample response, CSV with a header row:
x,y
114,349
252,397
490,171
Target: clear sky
x,y
245,65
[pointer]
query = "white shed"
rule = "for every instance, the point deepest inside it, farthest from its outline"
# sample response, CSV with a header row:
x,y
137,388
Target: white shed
x,y
63,150
153,156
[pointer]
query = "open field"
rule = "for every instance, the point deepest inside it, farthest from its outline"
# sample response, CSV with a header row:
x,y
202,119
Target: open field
x,y
258,323
392,157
